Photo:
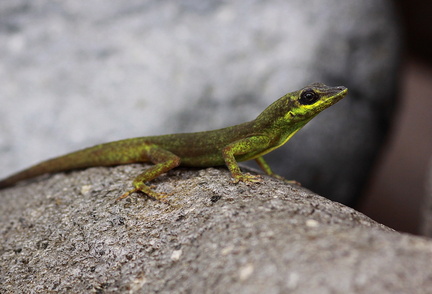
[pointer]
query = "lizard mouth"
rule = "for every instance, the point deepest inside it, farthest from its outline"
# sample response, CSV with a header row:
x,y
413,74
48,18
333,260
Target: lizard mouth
x,y
338,93
341,91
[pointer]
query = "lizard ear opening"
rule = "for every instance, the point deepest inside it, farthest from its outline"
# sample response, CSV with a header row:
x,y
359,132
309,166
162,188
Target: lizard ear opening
x,y
308,97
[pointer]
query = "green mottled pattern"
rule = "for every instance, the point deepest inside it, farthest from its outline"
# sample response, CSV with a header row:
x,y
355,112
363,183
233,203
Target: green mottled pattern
x,y
250,140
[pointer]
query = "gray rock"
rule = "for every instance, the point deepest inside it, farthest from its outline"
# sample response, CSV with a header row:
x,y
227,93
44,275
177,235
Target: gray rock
x,y
77,73
66,234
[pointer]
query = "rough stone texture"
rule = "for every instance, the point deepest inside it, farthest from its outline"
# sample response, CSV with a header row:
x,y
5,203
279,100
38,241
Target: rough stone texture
x,y
66,234
76,73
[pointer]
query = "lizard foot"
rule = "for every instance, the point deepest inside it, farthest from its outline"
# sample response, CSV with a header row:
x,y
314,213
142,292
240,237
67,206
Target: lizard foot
x,y
285,180
247,178
152,194
294,182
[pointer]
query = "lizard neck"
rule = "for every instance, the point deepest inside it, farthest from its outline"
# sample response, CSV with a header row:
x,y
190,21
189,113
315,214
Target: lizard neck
x,y
280,123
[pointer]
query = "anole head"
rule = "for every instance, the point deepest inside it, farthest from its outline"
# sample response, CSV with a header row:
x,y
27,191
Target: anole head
x,y
293,110
311,100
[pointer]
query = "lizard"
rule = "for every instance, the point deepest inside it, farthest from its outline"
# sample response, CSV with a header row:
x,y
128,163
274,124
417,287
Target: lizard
x,y
227,146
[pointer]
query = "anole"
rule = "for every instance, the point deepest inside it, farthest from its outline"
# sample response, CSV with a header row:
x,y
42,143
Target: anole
x,y
249,140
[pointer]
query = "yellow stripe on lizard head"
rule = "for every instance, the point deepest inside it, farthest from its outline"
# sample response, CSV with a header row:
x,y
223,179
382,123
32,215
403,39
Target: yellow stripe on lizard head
x,y
295,109
311,100
292,111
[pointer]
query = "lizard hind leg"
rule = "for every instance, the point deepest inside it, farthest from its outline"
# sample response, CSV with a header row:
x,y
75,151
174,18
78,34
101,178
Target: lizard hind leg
x,y
164,161
266,168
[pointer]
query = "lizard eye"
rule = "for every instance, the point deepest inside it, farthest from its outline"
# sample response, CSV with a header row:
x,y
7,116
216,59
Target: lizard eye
x,y
308,97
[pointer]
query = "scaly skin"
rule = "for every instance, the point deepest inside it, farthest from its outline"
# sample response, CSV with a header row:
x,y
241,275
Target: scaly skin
x,y
250,140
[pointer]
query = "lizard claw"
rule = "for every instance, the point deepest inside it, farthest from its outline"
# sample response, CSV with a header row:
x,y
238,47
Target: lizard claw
x,y
285,180
247,178
126,194
157,196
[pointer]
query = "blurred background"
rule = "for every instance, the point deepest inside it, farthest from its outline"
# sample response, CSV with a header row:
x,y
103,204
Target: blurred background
x,y
78,73
397,190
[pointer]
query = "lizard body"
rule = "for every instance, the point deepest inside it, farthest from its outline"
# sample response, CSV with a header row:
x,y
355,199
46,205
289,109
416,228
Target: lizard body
x,y
249,140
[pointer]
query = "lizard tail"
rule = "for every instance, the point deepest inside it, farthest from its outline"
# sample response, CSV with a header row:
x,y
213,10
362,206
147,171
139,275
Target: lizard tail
x,y
108,154
64,163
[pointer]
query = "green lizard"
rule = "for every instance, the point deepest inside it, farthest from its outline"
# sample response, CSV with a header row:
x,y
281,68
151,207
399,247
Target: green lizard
x,y
249,140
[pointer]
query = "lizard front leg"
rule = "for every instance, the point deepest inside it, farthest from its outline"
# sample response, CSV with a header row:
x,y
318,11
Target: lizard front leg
x,y
163,160
249,145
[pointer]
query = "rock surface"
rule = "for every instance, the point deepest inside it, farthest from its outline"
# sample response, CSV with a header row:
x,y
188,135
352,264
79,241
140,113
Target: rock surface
x,y
78,73
65,233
